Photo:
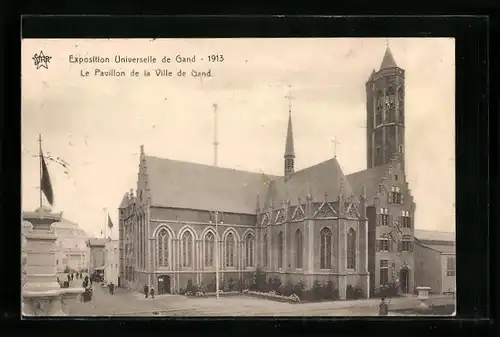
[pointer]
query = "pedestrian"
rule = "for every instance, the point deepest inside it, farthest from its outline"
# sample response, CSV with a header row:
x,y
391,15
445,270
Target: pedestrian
x,y
152,292
111,288
383,308
146,290
71,277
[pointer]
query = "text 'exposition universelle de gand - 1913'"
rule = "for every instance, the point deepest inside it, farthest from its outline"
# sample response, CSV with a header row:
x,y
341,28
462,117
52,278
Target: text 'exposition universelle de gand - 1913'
x,y
162,66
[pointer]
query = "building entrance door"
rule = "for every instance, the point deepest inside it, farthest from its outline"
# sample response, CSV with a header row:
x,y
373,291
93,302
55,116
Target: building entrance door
x,y
163,284
404,277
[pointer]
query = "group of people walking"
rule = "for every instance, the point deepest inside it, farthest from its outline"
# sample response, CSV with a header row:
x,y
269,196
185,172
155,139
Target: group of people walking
x,y
77,275
149,291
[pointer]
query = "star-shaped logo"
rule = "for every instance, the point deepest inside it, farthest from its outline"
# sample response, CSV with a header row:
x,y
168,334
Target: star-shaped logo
x,y
41,60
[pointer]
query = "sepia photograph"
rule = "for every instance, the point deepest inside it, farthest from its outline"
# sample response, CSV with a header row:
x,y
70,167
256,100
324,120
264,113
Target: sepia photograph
x,y
238,177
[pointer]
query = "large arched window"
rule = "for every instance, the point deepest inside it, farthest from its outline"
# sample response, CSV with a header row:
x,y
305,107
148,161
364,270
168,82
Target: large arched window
x,y
379,108
390,100
187,249
390,97
326,248
280,250
162,248
249,249
230,250
351,249
209,249
265,250
298,248
401,94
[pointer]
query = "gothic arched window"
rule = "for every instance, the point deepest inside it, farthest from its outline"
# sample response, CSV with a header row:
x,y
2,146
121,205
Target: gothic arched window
x,y
326,248
280,250
209,249
264,243
230,250
162,248
401,94
351,249
390,95
378,116
390,105
380,98
298,248
249,249
187,249
379,108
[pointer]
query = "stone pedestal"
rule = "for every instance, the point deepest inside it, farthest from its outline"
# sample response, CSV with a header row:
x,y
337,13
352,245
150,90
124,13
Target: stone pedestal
x,y
423,296
42,294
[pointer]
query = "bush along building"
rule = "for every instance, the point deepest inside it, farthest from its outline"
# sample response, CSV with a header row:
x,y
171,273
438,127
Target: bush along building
x,y
390,205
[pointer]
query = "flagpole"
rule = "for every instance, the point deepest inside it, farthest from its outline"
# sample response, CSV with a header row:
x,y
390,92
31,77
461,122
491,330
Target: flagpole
x,y
40,155
104,210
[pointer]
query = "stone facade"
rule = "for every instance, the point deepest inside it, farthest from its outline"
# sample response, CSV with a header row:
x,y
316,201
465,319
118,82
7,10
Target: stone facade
x,y
256,245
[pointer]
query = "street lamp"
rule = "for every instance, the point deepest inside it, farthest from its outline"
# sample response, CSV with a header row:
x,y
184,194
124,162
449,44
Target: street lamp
x,y
216,216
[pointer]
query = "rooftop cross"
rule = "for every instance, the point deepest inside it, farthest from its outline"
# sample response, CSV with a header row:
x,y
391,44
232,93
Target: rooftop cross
x,y
289,97
334,143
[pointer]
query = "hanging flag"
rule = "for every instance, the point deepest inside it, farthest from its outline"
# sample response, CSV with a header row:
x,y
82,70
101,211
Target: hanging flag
x,y
110,223
45,183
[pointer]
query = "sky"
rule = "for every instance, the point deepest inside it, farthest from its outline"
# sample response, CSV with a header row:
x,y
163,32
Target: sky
x,y
97,123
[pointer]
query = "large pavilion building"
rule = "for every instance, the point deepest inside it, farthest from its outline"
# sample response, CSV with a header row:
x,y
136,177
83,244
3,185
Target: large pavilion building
x,y
313,224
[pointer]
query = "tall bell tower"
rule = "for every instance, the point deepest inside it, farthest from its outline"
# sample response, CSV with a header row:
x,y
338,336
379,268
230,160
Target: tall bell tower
x,y
385,97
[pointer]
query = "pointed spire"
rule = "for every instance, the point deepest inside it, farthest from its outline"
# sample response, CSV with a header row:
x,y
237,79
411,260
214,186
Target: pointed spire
x,y
257,207
372,75
124,202
289,148
388,60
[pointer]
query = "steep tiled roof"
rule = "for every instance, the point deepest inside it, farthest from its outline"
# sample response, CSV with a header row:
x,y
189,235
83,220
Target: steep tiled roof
x,y
369,179
388,60
425,235
180,184
325,177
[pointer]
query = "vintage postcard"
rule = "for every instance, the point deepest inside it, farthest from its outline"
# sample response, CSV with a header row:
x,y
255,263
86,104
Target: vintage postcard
x,y
238,177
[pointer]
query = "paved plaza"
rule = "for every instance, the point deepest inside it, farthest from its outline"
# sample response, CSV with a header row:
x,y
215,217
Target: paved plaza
x,y
131,303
